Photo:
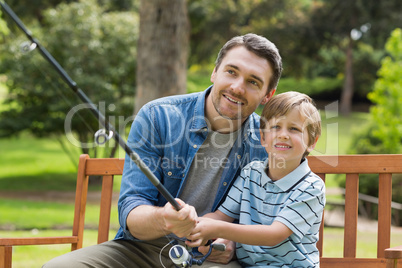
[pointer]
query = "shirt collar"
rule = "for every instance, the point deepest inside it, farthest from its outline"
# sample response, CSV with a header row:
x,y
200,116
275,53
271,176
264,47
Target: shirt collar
x,y
199,124
290,180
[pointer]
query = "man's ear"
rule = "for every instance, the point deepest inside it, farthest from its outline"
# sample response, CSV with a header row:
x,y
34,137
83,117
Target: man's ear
x,y
268,96
213,75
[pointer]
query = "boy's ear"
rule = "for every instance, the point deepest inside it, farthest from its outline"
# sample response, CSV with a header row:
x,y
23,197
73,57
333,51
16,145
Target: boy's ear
x,y
268,96
262,140
312,146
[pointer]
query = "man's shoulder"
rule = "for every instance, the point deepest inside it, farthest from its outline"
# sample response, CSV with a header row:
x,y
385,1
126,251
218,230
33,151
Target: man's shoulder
x,y
175,100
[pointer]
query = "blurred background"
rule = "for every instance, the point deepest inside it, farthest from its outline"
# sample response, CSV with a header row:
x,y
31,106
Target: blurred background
x,y
347,55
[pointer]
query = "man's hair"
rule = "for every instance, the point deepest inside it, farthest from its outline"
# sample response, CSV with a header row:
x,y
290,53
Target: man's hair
x,y
281,104
260,46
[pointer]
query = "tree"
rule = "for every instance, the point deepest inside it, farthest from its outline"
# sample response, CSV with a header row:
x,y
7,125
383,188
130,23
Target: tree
x,y
97,49
162,50
383,133
345,23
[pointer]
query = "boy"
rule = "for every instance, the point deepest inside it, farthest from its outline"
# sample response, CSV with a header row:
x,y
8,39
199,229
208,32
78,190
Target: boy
x,y
279,202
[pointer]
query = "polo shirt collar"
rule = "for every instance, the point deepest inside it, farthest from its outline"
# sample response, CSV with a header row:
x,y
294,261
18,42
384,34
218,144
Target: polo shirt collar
x,y
290,180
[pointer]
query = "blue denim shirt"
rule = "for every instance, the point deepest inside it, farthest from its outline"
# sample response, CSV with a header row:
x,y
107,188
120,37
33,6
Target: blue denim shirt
x,y
166,135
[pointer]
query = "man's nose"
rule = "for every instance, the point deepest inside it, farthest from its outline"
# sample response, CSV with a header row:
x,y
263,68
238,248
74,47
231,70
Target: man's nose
x,y
238,86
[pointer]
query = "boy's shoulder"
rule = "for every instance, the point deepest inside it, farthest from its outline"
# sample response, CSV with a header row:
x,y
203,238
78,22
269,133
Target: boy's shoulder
x,y
255,165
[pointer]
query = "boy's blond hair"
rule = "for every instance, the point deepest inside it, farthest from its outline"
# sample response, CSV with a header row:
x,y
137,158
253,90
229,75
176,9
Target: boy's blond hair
x,y
281,104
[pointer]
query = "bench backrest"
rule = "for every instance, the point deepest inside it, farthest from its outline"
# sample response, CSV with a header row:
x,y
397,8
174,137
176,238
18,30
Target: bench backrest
x,y
351,165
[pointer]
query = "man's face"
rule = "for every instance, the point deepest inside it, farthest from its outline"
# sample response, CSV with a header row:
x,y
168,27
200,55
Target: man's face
x,y
240,84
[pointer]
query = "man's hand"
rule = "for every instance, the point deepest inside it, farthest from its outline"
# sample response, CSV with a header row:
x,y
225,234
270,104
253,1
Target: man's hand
x,y
217,256
181,222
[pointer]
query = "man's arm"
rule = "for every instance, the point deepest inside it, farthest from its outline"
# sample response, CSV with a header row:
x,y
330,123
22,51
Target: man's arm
x,y
147,222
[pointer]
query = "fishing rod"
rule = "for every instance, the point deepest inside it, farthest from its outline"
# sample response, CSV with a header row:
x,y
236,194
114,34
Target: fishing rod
x,y
102,135
178,254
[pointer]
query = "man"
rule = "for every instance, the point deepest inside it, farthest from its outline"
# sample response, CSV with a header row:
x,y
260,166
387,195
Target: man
x,y
196,144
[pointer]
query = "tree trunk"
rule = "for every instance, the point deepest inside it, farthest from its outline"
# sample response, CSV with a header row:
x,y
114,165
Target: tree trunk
x,y
162,50
348,86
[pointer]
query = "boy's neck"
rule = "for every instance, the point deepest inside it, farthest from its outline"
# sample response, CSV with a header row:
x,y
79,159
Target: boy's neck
x,y
276,169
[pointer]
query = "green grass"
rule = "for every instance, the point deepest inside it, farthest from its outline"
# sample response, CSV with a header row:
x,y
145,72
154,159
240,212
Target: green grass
x,y
23,215
36,256
33,164
366,243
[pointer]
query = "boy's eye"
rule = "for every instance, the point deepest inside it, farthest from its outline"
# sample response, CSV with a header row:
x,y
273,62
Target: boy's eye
x,y
295,129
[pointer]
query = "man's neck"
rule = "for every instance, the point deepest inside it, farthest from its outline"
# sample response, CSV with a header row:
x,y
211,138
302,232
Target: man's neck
x,y
219,123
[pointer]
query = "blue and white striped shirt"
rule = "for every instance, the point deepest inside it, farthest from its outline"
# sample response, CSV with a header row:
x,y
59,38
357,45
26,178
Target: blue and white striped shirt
x,y
297,200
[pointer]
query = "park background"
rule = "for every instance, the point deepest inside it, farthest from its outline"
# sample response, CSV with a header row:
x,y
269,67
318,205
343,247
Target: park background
x,y
347,55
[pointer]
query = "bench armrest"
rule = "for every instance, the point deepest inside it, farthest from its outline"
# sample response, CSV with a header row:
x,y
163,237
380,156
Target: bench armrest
x,y
393,253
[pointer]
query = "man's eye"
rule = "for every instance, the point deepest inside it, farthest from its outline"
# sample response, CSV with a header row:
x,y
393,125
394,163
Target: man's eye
x,y
254,83
231,72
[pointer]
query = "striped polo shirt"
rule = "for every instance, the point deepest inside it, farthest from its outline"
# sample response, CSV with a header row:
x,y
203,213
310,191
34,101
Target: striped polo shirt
x,y
297,200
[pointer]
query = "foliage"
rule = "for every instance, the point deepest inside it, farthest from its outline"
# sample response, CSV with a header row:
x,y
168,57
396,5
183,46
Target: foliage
x,y
97,48
318,88
311,35
4,31
383,132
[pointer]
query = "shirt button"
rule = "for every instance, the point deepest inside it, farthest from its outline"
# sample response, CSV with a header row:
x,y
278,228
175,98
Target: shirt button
x,y
195,146
170,173
225,183
238,156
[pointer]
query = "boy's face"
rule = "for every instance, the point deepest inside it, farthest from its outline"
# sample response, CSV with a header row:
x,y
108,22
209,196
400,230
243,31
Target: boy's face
x,y
286,138
240,84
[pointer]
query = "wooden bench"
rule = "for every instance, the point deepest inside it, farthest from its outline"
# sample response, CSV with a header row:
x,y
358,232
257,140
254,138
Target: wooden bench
x,y
351,165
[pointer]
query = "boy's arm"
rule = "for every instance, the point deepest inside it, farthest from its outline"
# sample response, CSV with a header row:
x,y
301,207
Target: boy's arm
x,y
262,235
218,215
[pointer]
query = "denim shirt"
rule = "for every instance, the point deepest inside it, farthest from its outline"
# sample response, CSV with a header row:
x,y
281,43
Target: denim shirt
x,y
166,135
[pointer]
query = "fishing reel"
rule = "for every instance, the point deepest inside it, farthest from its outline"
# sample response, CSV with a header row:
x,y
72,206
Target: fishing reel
x,y
183,258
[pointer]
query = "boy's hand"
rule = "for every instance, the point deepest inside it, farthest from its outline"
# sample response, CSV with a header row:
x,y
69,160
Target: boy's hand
x,y
202,232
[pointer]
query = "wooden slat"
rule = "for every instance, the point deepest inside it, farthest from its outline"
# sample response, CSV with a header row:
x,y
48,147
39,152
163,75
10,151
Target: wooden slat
x,y
394,253
105,208
6,256
352,262
363,164
105,166
80,202
351,207
26,241
384,213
